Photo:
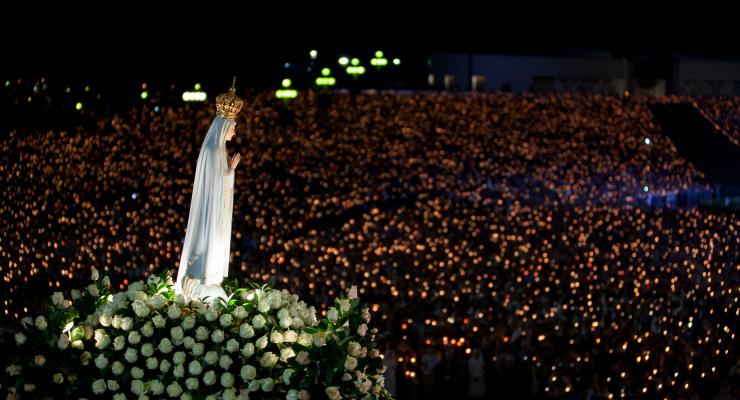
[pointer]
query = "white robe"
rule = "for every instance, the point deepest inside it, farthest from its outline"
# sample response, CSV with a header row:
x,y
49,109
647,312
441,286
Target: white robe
x,y
205,253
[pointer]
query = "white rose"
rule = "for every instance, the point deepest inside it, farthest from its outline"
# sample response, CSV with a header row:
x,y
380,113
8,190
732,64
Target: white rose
x,y
286,353
267,385
344,306
366,315
275,300
287,374
290,337
140,308
248,350
276,337
127,324
201,333
102,340
350,363
117,368
188,342
179,357
119,343
152,363
159,321
232,345
353,348
39,360
269,360
319,339
198,349
173,311
63,341
117,321
225,320
227,380
195,368
285,322
93,290
134,337
239,312
304,395
101,362
352,293
192,384
137,373
246,331
78,344
248,373
137,387
177,334
178,371
211,315
362,330
113,385
364,385
362,353
302,358
346,377
225,361
217,336
94,275
258,322
156,387
147,350
99,386
105,320
188,322
211,357
254,385
174,389
164,366
41,323
263,306
333,393
292,395
147,330
374,353
85,357
57,298
29,387
13,370
156,301
305,339
209,378
180,299
106,282
58,378
131,355
332,314
165,346
262,342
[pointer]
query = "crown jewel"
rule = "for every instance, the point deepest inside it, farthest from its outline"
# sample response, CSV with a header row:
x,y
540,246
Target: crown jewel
x,y
229,104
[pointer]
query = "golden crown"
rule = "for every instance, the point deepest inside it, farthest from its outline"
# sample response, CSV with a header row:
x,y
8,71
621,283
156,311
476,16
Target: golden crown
x,y
229,104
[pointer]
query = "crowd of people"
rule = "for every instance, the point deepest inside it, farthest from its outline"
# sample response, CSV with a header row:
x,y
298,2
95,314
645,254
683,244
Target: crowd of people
x,y
503,240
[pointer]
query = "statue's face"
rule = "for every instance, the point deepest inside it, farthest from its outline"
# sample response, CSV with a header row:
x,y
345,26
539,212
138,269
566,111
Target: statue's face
x,y
231,132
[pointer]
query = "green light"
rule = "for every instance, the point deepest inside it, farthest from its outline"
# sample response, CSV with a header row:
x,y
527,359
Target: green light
x,y
7,83
343,61
396,61
87,88
355,61
325,81
68,90
325,71
378,54
194,96
286,82
314,53
144,95
356,70
286,94
78,106
197,86
379,62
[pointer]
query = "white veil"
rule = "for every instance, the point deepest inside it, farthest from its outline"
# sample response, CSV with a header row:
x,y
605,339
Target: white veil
x,y
203,254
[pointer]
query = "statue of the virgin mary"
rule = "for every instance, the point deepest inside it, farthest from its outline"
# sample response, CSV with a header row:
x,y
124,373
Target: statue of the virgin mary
x,y
205,253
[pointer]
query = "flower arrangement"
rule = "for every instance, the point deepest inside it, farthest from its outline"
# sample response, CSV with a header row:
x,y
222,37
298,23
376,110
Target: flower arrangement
x,y
146,342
